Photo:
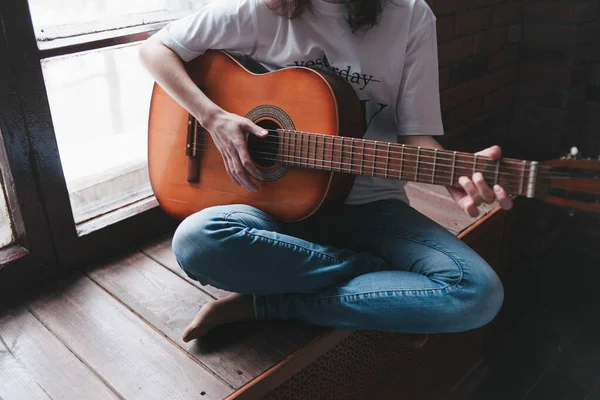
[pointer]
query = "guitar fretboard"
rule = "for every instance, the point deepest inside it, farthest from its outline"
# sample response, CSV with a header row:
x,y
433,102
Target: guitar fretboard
x,y
402,162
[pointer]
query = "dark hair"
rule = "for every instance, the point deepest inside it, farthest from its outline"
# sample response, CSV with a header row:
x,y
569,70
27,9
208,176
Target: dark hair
x,y
362,14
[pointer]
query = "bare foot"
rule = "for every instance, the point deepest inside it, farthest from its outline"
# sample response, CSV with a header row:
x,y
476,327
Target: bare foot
x,y
235,307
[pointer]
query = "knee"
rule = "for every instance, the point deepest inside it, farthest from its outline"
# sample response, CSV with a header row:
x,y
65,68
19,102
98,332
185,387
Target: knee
x,y
484,298
195,241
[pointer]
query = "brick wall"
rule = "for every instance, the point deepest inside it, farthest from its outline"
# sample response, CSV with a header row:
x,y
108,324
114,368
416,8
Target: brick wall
x,y
478,43
521,73
524,74
560,39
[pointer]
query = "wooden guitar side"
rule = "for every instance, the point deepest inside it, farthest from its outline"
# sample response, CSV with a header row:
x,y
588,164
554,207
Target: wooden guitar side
x,y
314,101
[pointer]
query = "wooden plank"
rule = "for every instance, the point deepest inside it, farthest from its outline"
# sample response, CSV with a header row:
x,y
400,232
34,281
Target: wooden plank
x,y
160,251
48,362
134,359
236,352
15,380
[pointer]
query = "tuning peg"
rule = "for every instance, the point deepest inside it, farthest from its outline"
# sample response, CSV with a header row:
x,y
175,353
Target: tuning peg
x,y
573,153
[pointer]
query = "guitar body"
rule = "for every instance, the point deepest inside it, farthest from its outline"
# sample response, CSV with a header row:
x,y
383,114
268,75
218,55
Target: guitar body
x,y
293,98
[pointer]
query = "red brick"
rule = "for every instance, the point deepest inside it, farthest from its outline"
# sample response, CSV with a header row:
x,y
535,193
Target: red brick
x,y
505,14
455,50
473,21
587,11
550,33
444,77
490,40
587,32
586,52
441,7
546,76
461,116
489,2
500,98
503,57
478,87
593,113
594,73
445,27
549,10
504,77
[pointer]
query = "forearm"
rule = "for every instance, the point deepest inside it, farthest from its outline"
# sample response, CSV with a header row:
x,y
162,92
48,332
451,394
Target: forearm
x,y
169,72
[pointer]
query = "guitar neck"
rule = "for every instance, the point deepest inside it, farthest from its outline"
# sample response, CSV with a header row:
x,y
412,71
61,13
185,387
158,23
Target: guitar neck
x,y
402,162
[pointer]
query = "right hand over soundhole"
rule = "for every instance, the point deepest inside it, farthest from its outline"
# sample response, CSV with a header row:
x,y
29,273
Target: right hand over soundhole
x,y
230,134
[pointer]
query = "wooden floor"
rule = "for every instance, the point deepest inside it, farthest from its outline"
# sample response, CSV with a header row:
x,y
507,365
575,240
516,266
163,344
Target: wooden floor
x,y
113,330
116,329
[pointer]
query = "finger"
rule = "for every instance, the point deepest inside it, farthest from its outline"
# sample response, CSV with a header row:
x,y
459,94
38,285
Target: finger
x,y
494,152
456,193
483,188
469,206
240,172
503,198
248,163
228,168
471,190
249,126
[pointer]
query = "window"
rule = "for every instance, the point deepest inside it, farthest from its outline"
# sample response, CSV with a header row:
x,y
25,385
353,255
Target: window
x,y
99,98
6,231
74,103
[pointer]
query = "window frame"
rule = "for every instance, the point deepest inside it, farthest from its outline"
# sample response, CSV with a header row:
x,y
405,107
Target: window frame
x,y
26,113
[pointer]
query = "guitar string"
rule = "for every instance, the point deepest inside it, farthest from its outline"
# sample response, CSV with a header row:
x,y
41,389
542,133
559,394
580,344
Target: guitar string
x,y
305,160
524,165
404,174
302,159
377,143
483,160
393,149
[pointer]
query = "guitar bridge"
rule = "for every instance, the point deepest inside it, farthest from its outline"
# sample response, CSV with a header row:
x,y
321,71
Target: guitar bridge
x,y
193,151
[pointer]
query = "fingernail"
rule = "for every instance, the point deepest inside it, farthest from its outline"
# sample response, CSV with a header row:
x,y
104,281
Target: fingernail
x,y
264,132
497,188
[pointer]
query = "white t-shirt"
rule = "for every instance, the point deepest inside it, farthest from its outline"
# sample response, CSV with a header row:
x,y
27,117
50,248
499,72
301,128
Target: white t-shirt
x,y
393,67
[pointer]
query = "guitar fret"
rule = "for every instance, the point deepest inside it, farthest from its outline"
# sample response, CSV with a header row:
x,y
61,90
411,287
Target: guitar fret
x,y
475,164
522,178
323,153
289,147
387,163
374,158
351,155
434,165
497,171
332,145
280,149
311,158
532,179
362,156
401,162
417,166
453,168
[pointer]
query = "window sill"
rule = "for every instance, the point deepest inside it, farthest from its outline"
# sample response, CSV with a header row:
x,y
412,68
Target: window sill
x,y
115,216
12,253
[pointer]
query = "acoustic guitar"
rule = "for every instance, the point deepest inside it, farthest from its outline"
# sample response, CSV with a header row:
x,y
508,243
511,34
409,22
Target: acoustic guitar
x,y
314,148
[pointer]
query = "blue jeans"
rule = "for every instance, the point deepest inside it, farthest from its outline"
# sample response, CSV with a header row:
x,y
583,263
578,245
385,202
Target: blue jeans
x,y
381,266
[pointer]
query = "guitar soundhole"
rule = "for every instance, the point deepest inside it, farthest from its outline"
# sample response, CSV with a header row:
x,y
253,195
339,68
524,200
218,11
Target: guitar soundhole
x,y
264,150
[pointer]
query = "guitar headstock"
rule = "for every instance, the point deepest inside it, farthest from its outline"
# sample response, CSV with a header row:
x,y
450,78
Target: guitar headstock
x,y
572,182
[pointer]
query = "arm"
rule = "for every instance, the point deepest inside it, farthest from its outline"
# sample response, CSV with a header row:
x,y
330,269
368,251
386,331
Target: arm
x,y
163,55
474,189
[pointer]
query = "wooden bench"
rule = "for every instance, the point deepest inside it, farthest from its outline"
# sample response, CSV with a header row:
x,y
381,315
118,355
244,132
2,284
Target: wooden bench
x,y
116,327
